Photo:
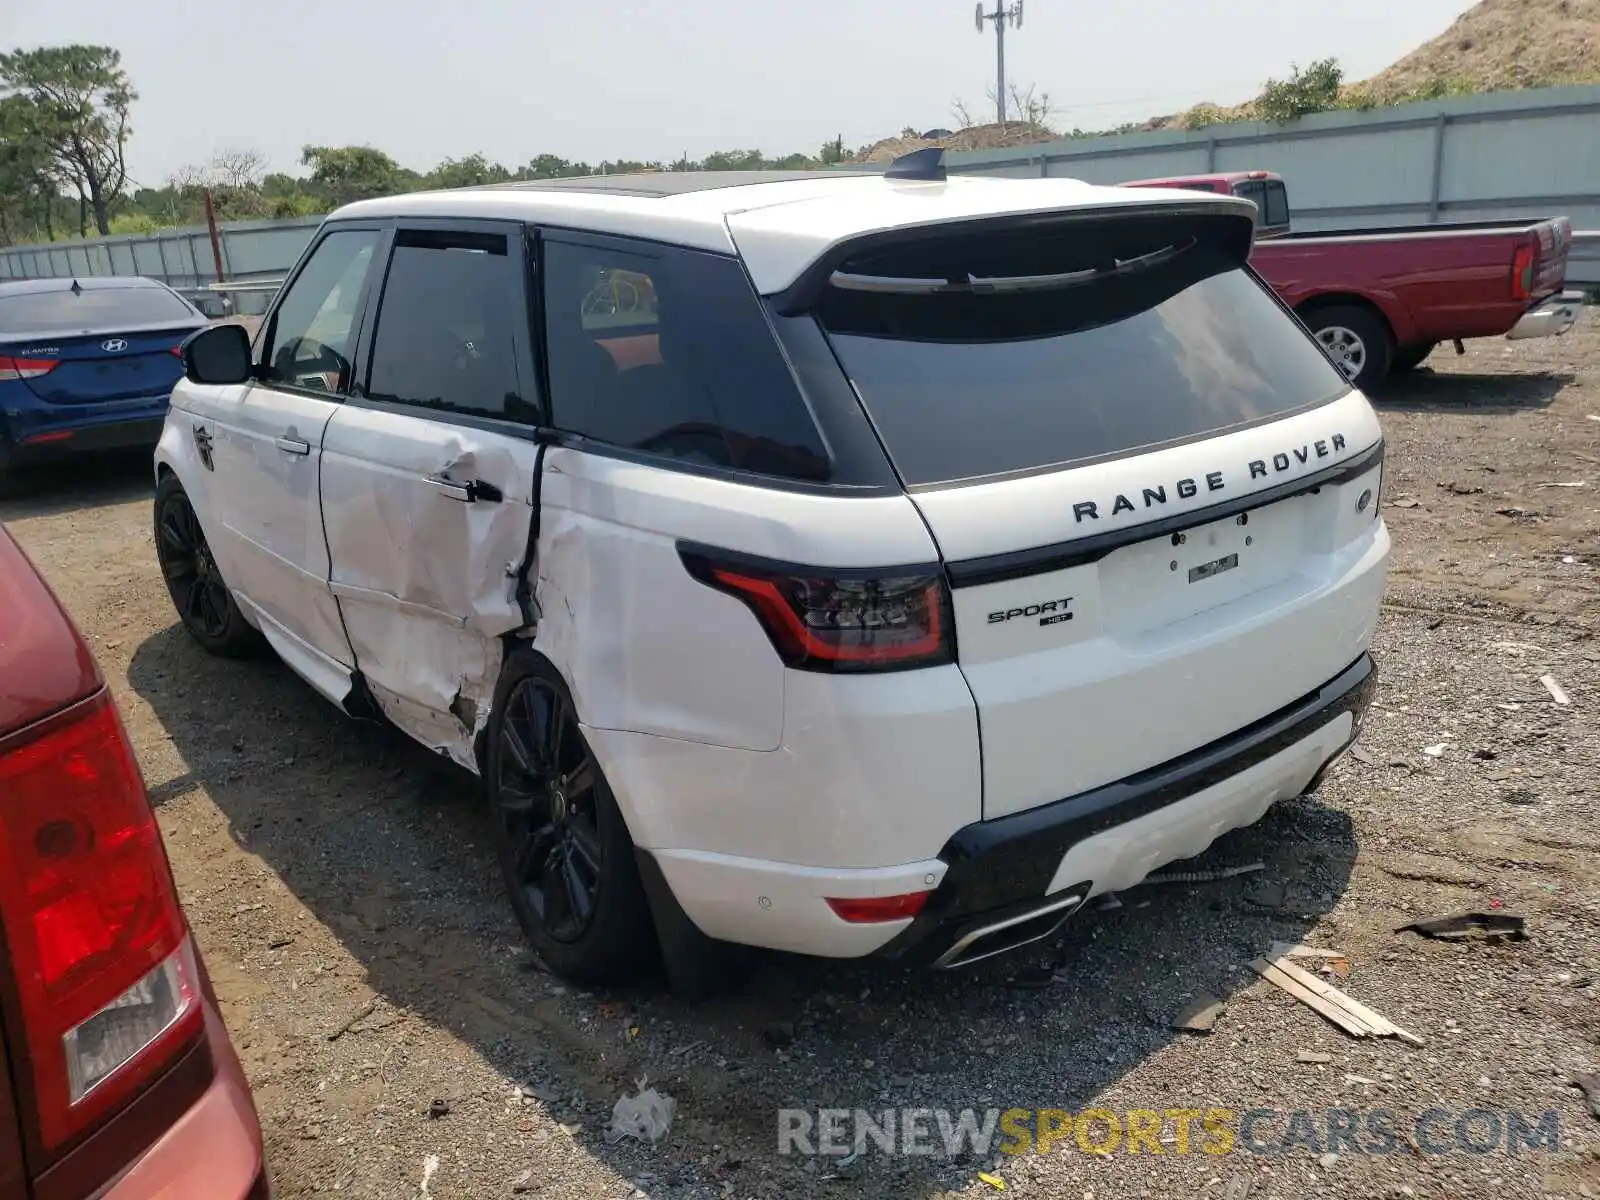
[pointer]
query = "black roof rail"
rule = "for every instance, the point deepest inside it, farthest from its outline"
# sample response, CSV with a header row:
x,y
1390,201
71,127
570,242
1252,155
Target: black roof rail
x,y
919,164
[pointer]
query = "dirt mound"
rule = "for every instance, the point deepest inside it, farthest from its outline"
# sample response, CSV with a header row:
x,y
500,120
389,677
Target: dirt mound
x,y
993,136
1500,45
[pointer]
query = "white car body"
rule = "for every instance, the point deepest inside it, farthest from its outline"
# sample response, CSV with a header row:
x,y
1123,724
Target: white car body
x,y
394,553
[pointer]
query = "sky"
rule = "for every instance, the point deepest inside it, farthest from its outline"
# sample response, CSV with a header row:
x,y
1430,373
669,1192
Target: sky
x,y
645,79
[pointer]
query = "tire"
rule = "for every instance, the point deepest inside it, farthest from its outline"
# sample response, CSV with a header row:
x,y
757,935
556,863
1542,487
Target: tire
x,y
1357,340
1409,358
564,849
199,593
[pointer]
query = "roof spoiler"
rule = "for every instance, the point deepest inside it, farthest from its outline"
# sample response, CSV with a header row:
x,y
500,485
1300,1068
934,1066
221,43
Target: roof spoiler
x,y
925,164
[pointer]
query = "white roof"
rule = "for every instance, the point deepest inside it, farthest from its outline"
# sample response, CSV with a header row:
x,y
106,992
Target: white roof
x,y
778,228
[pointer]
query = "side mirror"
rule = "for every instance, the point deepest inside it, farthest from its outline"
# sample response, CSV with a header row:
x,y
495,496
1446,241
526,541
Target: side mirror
x,y
218,354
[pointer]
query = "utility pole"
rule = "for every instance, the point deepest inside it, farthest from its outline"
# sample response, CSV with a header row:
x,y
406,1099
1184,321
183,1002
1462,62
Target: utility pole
x,y
1001,16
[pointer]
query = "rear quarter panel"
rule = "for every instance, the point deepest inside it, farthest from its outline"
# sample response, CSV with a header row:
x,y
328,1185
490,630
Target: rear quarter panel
x,y
1431,286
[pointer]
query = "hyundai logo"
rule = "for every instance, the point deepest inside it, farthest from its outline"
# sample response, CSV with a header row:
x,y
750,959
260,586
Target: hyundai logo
x,y
113,345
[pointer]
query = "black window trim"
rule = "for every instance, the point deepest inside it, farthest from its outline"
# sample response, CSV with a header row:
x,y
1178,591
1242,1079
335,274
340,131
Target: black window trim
x,y
528,364
885,484
269,323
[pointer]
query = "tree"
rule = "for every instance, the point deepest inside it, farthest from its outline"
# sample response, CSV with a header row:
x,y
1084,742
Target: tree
x,y
240,168
82,96
348,173
29,176
472,171
1316,89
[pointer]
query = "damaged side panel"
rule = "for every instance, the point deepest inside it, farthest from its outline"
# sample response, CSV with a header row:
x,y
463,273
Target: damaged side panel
x,y
428,529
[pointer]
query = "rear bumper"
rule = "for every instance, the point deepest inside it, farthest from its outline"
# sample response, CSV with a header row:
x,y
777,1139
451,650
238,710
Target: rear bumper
x,y
1005,870
1549,318
213,1150
999,884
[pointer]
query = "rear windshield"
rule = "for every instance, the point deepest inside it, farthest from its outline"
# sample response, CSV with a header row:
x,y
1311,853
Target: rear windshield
x,y
96,309
1056,349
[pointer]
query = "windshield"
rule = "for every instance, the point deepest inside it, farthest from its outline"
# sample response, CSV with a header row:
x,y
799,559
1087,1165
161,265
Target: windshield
x,y
1167,339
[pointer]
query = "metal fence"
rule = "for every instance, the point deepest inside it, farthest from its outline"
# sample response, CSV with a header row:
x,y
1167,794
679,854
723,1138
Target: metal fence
x,y
252,251
1506,155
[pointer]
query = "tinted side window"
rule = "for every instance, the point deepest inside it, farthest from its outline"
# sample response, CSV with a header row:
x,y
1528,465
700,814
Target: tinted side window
x,y
311,335
446,325
668,351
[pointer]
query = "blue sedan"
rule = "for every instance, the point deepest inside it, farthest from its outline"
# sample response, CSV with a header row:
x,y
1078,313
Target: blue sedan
x,y
86,364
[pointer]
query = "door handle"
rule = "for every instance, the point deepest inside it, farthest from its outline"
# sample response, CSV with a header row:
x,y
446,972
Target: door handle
x,y
291,445
466,493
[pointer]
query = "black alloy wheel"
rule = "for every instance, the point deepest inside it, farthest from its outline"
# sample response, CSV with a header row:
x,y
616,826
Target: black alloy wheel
x,y
198,591
548,811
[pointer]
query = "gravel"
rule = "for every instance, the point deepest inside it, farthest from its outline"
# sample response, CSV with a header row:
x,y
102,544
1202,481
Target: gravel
x,y
401,1041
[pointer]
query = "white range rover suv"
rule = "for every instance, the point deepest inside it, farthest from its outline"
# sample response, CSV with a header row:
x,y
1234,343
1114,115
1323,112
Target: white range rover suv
x,y
841,563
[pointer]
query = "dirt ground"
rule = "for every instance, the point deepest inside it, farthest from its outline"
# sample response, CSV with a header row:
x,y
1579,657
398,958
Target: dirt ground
x,y
402,1044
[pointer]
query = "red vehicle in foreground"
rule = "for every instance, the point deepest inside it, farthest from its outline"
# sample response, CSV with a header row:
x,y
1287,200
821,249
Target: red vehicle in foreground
x,y
1380,300
117,1079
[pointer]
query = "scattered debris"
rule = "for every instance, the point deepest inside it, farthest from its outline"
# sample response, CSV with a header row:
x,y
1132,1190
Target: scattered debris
x,y
1269,894
1591,1090
1206,876
993,1181
1469,923
1403,502
524,1182
437,1109
1435,623
361,1014
778,1034
1355,1019
430,1168
1361,756
1592,417
1484,755
1436,750
1199,1015
1462,489
1576,483
1360,1079
851,1166
279,942
1523,796
1032,978
1557,692
1238,1188
1314,1057
1327,1161
645,1117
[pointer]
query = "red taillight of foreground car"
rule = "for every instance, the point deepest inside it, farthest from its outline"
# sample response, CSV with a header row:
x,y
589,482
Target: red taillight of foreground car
x,y
1522,263
887,620
25,368
108,982
866,910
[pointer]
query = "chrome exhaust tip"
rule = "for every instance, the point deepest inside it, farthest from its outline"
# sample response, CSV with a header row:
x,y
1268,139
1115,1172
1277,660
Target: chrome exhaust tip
x,y
1013,932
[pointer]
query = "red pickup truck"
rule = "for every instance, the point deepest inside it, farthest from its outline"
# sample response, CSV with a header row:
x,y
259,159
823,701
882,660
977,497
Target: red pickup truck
x,y
117,1079
1379,300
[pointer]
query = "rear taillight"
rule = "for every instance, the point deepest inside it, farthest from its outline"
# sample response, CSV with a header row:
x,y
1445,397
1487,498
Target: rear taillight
x,y
25,368
888,620
106,975
175,351
1522,264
